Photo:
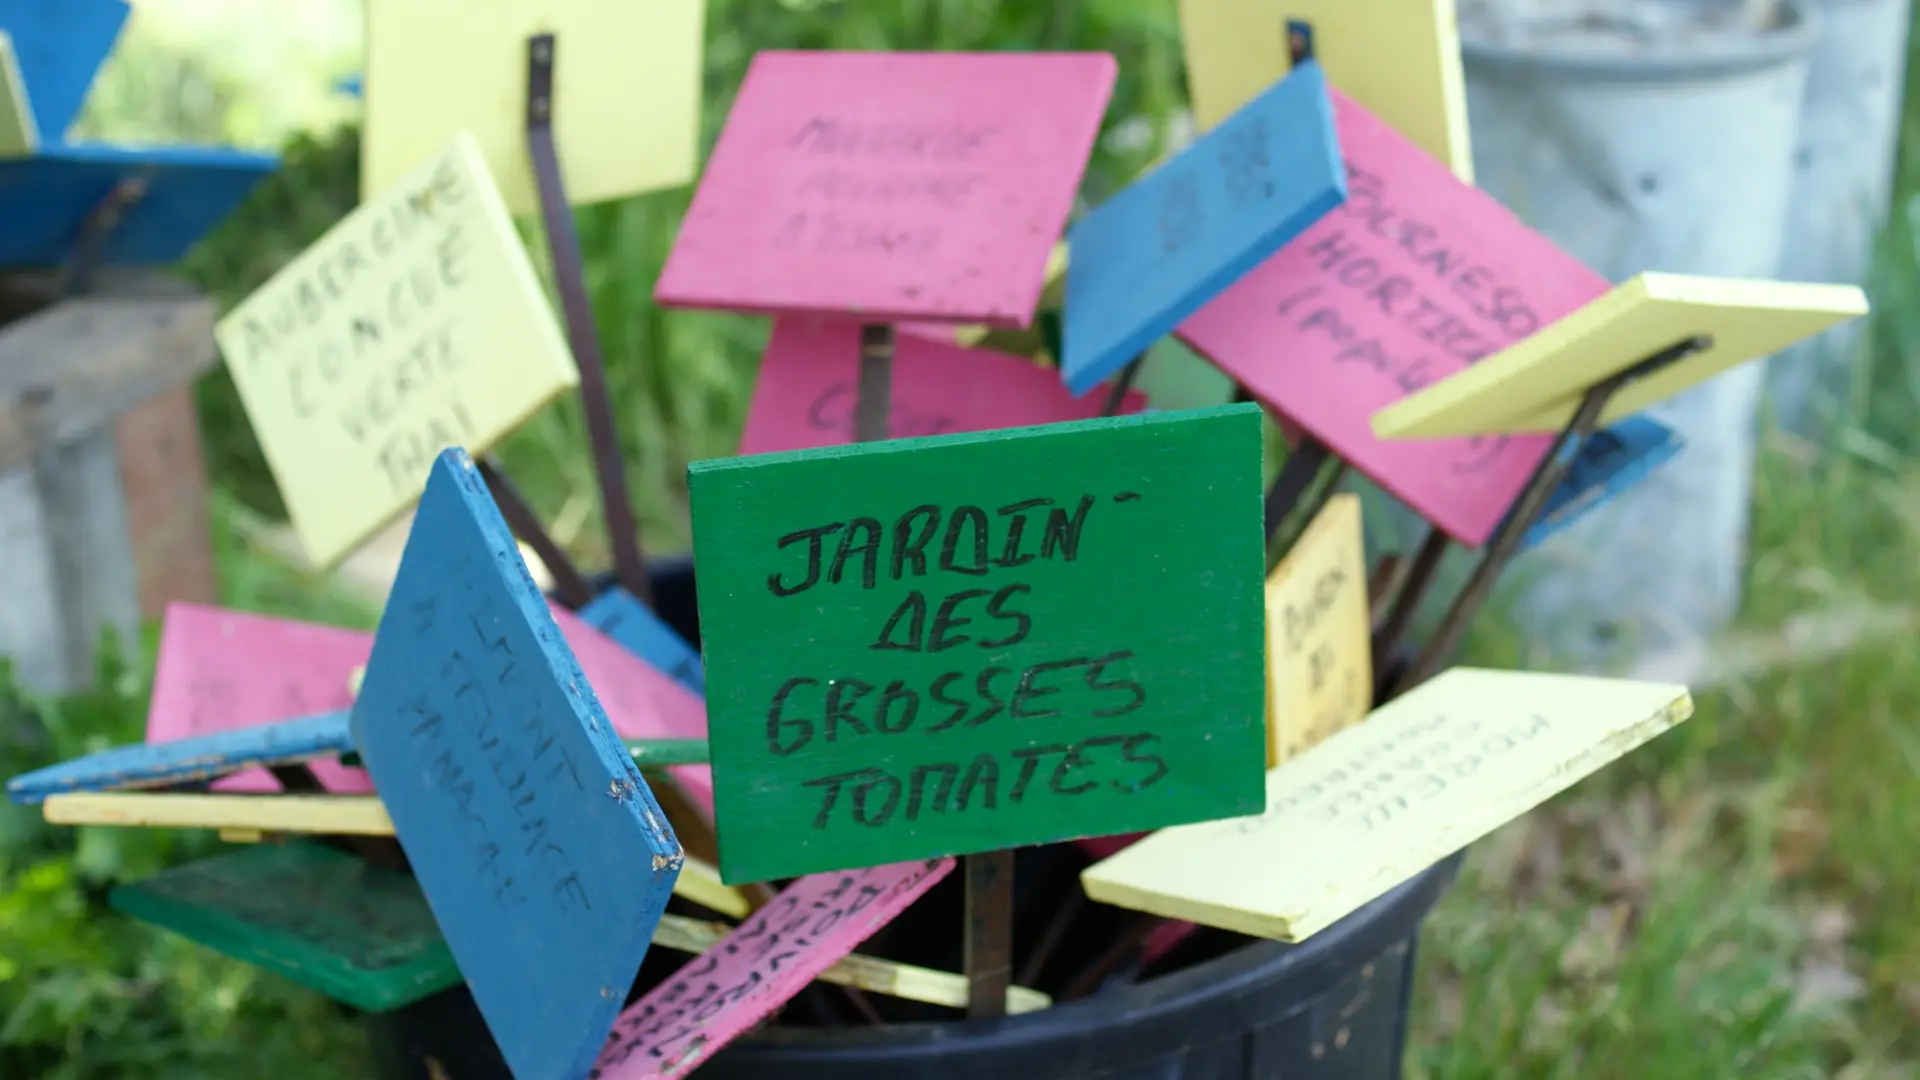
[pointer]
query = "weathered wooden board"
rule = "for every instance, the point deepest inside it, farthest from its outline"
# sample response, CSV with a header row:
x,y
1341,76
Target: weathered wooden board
x,y
359,934
626,94
810,373
1535,385
894,185
19,130
319,815
1171,240
1414,277
1427,774
184,192
541,851
880,976
1607,465
60,45
68,370
635,628
1408,75
1319,634
811,925
414,324
934,646
198,758
220,670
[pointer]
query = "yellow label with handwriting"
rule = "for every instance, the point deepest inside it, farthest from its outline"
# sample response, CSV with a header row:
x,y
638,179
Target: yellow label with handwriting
x,y
1319,639
1427,774
414,324
1536,385
19,132
626,91
1399,58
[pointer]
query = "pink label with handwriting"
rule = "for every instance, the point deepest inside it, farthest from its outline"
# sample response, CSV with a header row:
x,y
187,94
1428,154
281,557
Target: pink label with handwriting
x,y
641,701
894,185
1416,276
805,394
219,670
809,927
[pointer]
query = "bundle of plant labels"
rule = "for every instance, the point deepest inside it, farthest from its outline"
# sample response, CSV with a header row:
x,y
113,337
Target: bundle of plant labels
x,y
965,590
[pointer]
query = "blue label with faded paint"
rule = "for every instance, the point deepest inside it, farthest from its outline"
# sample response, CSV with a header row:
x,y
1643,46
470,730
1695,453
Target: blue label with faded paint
x,y
1173,239
179,761
618,614
59,46
542,853
1608,463
182,193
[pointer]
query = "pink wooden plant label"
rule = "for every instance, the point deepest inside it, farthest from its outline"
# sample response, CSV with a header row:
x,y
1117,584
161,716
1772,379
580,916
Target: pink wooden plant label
x,y
891,185
641,701
813,924
220,670
805,394
1415,277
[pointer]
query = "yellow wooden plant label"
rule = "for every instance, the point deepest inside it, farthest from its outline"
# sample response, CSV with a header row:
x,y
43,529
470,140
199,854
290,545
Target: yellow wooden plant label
x,y
414,324
19,131
1399,58
1424,776
1319,639
626,75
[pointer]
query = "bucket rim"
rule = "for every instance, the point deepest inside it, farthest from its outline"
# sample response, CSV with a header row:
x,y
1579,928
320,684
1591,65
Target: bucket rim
x,y
1793,39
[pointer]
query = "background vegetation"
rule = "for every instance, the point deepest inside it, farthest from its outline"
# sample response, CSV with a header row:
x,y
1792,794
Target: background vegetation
x,y
1739,900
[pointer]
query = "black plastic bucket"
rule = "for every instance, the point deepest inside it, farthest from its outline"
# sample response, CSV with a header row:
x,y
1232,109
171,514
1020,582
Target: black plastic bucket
x,y
1335,1006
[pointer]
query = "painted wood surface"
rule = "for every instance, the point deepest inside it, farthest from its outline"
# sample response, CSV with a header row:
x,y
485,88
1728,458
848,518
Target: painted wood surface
x,y
60,45
811,925
626,76
635,628
871,973
198,758
317,815
1606,466
1535,385
809,375
1053,293
659,753
897,185
541,851
644,701
185,192
933,647
1319,634
359,934
700,883
1167,243
1414,277
220,670
19,130
1410,77
1427,774
414,324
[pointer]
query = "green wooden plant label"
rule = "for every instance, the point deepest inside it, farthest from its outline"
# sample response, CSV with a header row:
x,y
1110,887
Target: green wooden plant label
x,y
963,643
357,933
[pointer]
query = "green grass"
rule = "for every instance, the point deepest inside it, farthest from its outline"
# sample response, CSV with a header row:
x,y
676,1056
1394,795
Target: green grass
x,y
1740,899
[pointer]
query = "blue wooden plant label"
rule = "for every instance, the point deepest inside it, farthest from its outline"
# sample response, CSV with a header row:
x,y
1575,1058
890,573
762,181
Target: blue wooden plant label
x,y
1167,243
1609,462
176,196
619,615
60,45
541,851
180,761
